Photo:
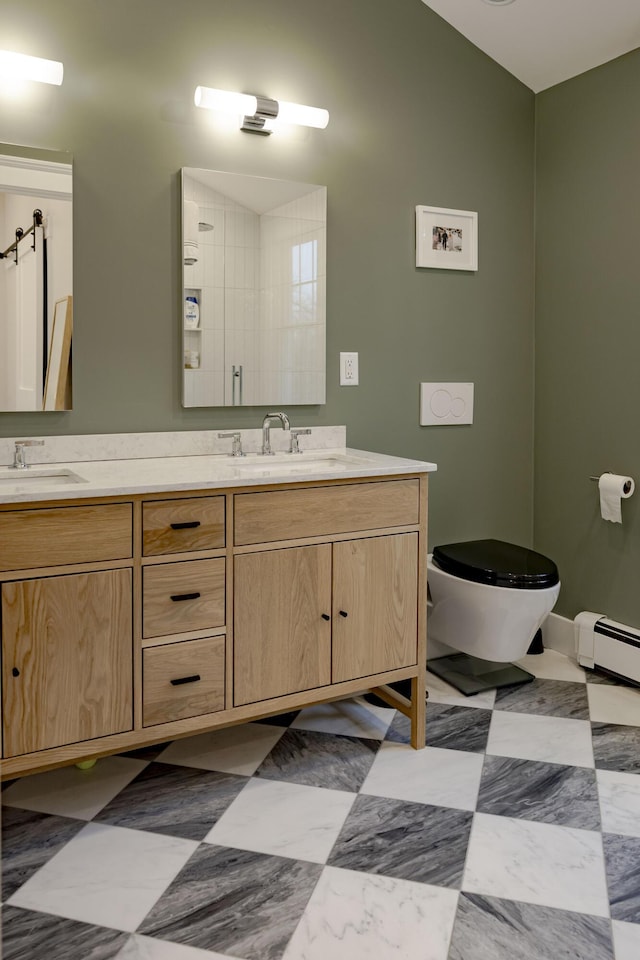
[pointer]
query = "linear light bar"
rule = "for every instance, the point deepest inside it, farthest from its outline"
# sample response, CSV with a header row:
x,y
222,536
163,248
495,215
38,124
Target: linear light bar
x,y
260,113
20,66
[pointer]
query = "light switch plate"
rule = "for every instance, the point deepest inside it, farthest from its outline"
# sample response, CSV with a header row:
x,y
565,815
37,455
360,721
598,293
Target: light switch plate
x,y
446,403
348,369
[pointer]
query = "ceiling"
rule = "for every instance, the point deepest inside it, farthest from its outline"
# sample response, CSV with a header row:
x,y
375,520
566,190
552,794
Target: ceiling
x,y
543,42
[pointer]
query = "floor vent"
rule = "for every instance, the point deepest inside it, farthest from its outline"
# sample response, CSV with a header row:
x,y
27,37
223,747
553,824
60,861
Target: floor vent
x,y
607,645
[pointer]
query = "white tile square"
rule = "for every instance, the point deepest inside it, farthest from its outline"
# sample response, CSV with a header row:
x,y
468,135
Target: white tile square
x,y
70,792
352,718
356,916
110,876
552,665
534,737
442,692
283,819
619,802
538,863
614,704
238,749
148,948
447,778
626,940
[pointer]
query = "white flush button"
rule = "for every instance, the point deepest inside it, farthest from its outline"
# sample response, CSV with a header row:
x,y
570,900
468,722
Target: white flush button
x,y
446,403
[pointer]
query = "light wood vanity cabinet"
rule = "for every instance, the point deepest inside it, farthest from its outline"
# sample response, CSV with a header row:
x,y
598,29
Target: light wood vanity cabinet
x,y
150,618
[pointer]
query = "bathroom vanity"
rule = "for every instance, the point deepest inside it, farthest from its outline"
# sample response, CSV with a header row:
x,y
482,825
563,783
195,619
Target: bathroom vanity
x,y
157,598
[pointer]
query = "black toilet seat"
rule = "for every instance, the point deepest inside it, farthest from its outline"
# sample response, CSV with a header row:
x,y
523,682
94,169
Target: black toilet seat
x,y
497,563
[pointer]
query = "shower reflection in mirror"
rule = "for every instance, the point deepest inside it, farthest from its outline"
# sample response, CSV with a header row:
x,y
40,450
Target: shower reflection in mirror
x,y
35,282
254,277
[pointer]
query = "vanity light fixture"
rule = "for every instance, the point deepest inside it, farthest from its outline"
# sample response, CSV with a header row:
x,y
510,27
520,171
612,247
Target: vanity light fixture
x,y
20,66
259,114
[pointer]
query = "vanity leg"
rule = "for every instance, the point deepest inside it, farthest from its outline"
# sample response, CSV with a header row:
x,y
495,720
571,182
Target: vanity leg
x,y
418,713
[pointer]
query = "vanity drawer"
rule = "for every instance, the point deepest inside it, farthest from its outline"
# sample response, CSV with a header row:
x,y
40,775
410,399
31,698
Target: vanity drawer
x,y
323,511
177,526
182,680
179,597
61,535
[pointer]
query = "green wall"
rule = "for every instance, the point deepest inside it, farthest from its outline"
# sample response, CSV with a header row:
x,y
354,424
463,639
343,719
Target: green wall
x,y
588,334
418,116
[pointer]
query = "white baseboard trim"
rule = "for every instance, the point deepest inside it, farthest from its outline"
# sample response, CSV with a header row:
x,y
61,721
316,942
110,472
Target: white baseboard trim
x,y
558,634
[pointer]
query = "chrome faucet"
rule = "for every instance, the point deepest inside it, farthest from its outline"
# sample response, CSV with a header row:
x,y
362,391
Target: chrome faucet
x,y
19,463
266,426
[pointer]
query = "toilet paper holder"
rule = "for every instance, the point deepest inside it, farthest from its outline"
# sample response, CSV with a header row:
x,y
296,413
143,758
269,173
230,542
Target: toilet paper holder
x,y
626,488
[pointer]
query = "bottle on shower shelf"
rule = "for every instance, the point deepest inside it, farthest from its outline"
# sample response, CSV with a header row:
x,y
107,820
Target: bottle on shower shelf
x,y
191,313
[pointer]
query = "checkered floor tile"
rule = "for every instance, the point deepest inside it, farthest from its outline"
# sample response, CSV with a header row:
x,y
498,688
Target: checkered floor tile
x,y
322,834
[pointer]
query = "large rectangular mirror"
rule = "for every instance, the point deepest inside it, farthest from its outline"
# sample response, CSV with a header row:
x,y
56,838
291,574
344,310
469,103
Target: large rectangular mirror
x,y
36,274
254,269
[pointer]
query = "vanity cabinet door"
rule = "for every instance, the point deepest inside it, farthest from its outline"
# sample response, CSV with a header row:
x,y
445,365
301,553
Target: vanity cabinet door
x,y
66,659
282,625
375,598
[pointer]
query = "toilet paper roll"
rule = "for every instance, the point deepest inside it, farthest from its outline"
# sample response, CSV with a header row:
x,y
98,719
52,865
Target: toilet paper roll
x,y
613,489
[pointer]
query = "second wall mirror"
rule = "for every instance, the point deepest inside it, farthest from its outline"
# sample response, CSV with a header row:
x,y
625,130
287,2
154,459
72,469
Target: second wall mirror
x,y
254,285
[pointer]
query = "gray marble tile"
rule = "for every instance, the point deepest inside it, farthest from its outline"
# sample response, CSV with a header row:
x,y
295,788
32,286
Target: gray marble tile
x,y
27,935
320,760
150,752
622,859
407,841
450,727
607,679
172,800
234,902
616,746
487,928
281,719
29,840
551,698
547,792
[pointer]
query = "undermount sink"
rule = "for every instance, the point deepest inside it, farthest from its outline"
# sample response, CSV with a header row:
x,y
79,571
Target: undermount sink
x,y
295,464
39,478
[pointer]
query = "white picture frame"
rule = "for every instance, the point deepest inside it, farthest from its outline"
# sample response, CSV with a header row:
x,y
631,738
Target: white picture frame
x,y
446,239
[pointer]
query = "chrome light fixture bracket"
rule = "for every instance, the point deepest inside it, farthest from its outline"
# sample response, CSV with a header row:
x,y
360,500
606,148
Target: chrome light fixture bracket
x,y
266,110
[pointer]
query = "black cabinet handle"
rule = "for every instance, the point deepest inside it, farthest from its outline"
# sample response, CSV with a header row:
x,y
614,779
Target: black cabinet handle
x,y
15,672
184,596
343,614
185,525
325,616
176,683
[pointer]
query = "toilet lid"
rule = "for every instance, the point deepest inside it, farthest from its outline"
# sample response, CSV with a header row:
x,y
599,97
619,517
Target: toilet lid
x,y
497,563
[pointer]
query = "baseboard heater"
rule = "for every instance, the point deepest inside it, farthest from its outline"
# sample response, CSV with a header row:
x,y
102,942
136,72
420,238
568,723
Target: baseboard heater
x,y
606,645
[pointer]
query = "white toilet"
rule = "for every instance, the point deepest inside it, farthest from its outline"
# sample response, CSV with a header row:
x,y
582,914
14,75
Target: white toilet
x,y
489,600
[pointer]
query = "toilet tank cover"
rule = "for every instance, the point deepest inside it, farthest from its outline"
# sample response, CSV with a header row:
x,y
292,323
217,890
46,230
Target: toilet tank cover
x,y
497,563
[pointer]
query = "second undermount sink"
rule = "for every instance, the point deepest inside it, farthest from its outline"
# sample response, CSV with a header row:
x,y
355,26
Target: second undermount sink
x,y
38,478
292,464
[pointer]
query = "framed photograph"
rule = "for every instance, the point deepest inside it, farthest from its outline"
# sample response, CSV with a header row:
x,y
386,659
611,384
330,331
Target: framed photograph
x,y
447,239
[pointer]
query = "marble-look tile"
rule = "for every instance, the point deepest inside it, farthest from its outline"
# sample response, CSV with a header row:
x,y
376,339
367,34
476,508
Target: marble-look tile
x,y
450,727
491,929
445,778
283,819
537,863
616,747
552,665
320,760
599,676
548,739
148,948
70,792
235,902
551,698
105,875
614,704
27,935
355,916
281,719
176,801
408,841
150,752
620,802
29,840
626,940
622,855
441,692
352,718
546,792
238,749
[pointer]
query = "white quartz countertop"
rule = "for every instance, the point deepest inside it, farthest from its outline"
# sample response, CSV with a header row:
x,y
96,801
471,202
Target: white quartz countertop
x,y
106,478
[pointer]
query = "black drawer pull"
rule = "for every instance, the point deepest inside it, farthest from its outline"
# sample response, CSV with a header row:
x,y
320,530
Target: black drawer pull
x,y
176,683
325,616
185,525
343,614
184,596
